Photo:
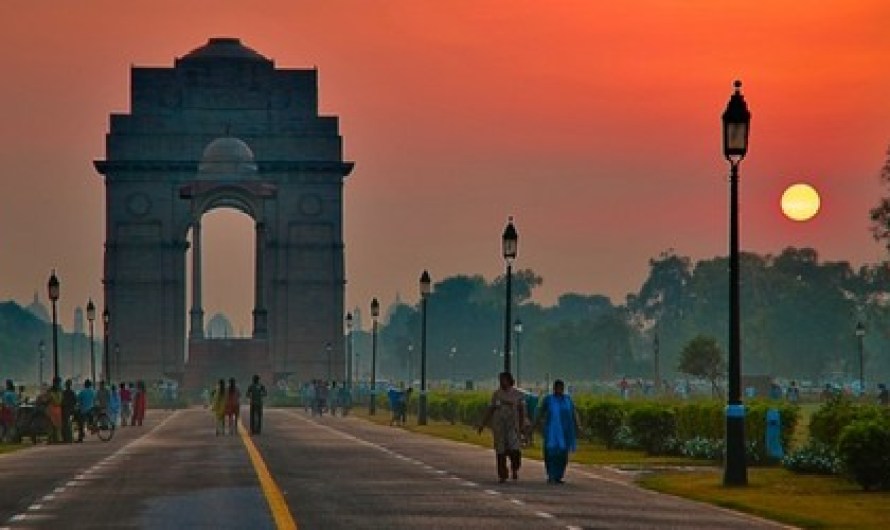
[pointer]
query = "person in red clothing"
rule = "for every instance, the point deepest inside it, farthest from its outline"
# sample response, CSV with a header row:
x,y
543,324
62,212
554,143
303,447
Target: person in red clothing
x,y
139,404
233,405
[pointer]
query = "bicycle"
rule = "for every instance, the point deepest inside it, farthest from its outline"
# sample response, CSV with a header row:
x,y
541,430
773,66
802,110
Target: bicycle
x,y
99,423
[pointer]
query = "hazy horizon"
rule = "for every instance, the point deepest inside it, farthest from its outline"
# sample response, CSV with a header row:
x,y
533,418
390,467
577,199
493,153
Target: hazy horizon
x,y
596,125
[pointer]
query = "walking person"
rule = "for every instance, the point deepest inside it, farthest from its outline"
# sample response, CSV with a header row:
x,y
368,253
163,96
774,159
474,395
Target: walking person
x,y
86,400
126,404
139,404
69,410
114,406
505,415
54,409
559,419
218,407
233,405
256,392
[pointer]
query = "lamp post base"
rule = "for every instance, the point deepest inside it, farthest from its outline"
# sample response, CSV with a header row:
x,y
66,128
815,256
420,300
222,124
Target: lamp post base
x,y
372,405
735,472
421,409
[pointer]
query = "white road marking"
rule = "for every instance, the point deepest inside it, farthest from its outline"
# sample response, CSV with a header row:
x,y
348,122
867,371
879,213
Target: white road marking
x,y
35,507
544,515
492,492
518,502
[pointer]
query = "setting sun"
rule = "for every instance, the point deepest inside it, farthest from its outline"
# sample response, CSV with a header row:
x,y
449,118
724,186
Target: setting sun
x,y
800,202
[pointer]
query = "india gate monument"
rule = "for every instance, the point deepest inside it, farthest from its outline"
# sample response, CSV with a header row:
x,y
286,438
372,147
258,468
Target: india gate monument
x,y
224,128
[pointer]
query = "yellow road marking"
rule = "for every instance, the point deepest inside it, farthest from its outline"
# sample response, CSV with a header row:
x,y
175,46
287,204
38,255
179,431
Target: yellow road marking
x,y
280,512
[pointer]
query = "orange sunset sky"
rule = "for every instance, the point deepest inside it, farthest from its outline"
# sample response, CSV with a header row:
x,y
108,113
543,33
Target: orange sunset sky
x,y
596,124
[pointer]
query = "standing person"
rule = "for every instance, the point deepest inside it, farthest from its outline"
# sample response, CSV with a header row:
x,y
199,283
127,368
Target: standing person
x,y
54,409
233,405
321,396
345,399
114,406
506,415
86,400
256,392
103,396
8,406
334,398
139,404
69,410
218,407
126,404
793,393
883,395
624,386
560,427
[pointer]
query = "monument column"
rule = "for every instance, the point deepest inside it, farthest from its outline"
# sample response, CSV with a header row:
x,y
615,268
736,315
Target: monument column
x,y
197,311
259,306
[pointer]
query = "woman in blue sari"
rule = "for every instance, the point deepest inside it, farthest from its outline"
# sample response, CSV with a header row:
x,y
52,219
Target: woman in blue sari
x,y
560,428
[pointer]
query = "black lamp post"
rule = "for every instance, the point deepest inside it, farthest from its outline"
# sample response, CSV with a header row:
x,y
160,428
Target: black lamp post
x,y
349,351
106,364
328,348
425,289
409,373
656,352
375,312
860,337
736,125
53,287
451,357
509,242
117,361
41,358
517,329
91,317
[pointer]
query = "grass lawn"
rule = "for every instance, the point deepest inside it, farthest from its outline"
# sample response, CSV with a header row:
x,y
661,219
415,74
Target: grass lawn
x,y
803,500
9,448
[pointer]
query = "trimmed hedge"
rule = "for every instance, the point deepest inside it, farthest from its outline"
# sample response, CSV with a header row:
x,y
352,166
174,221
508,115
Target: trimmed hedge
x,y
691,428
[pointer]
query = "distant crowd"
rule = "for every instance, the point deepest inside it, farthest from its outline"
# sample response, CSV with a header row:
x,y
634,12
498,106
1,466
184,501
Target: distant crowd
x,y
54,410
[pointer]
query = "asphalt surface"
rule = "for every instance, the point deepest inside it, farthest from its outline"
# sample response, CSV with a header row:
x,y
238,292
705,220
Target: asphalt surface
x,y
334,473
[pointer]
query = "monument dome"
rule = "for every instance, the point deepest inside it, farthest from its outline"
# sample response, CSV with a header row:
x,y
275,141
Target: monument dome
x,y
224,48
226,157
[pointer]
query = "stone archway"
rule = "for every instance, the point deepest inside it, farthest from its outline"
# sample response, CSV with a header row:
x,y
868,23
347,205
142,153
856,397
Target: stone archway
x,y
224,128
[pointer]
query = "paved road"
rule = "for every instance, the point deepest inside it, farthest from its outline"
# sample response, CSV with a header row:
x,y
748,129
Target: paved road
x,y
333,473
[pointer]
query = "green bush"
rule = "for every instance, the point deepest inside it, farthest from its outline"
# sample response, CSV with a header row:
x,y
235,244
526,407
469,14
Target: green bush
x,y
827,423
701,420
814,458
864,449
654,427
603,419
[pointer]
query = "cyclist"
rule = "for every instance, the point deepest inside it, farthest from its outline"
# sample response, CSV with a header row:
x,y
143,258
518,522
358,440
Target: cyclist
x,y
86,400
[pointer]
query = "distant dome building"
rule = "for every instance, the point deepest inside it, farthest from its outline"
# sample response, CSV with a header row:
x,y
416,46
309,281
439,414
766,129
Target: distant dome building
x,y
219,327
226,158
37,309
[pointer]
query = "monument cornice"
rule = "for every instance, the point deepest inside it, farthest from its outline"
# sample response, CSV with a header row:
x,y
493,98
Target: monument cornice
x,y
114,167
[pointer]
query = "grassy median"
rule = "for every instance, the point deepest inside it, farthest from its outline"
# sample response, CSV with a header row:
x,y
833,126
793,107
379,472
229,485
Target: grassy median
x,y
807,501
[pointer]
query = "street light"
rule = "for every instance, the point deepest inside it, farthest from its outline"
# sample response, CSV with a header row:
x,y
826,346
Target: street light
x,y
425,289
349,351
451,357
375,312
736,125
860,336
53,287
509,243
409,354
517,329
328,348
117,361
41,358
106,324
91,317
